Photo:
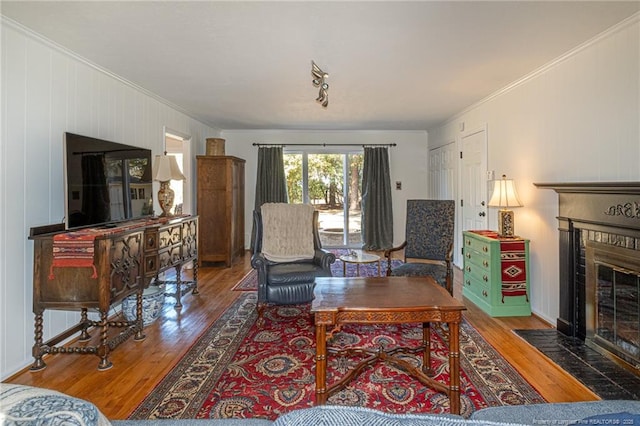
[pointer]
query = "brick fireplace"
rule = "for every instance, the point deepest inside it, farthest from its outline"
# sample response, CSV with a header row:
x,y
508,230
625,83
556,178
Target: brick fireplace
x,y
599,248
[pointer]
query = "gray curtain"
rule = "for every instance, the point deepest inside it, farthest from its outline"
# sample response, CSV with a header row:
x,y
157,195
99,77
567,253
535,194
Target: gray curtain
x,y
377,212
271,182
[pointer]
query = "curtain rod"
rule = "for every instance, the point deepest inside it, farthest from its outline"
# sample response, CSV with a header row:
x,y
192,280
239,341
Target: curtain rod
x,y
324,144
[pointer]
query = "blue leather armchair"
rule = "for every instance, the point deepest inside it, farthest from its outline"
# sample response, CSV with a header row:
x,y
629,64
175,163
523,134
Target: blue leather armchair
x,y
290,282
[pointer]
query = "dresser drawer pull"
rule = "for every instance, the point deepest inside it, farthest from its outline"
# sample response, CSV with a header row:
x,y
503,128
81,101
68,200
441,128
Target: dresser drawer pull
x,y
468,242
468,268
484,293
485,278
468,282
468,255
485,249
485,263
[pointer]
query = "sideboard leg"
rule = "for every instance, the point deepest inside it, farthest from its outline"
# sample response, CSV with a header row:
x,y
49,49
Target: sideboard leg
x,y
195,277
103,349
139,318
37,351
84,320
178,287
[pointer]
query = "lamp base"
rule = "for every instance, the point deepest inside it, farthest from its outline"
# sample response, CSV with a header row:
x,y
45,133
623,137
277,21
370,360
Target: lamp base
x,y
165,199
505,223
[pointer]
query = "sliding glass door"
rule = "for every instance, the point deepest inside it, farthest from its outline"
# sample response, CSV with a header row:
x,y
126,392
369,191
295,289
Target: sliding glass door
x,y
332,183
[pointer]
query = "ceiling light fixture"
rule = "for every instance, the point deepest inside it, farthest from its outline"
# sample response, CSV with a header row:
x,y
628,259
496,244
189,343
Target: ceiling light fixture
x,y
319,78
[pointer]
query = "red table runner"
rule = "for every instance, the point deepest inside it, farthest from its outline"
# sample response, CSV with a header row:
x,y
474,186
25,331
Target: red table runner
x,y
513,268
74,249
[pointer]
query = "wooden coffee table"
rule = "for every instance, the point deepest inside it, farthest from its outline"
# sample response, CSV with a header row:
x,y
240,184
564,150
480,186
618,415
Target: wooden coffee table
x,y
386,300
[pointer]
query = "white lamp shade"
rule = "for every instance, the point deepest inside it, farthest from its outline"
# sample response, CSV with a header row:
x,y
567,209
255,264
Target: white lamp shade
x,y
165,168
504,194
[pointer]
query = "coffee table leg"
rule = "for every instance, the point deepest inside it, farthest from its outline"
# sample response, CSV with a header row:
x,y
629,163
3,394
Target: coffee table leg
x,y
426,352
454,367
321,364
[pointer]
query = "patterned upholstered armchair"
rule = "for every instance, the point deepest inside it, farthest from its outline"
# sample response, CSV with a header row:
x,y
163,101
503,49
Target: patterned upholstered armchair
x,y
428,246
288,255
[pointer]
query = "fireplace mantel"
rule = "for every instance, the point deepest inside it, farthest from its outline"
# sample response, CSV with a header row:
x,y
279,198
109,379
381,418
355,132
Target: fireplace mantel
x,y
607,212
593,187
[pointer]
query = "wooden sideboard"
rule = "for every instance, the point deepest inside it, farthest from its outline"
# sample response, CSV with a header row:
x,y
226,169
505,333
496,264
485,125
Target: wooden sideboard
x,y
110,264
221,208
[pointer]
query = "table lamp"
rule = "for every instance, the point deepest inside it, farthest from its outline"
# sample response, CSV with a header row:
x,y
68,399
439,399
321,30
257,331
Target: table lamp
x,y
165,169
505,196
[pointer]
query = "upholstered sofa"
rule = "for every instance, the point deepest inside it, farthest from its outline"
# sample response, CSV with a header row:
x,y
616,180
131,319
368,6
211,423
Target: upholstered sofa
x,y
24,405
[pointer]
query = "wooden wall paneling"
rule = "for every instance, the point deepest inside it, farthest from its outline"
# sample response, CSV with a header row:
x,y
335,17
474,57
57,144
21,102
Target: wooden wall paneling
x,y
48,91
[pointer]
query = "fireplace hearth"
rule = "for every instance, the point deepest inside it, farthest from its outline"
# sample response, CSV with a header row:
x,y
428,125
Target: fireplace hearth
x,y
599,242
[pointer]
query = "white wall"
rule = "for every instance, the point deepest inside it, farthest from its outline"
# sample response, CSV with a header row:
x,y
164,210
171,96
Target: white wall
x,y
576,120
407,161
45,92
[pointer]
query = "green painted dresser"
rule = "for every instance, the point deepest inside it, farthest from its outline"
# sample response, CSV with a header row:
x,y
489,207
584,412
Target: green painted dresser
x,y
496,273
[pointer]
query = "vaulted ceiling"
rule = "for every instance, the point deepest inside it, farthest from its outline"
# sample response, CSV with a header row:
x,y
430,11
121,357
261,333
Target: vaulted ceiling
x,y
392,65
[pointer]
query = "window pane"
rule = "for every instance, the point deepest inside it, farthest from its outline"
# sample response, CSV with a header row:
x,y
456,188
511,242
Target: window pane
x,y
355,199
293,171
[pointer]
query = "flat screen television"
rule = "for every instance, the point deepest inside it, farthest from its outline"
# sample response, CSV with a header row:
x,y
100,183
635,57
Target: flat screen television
x,y
105,182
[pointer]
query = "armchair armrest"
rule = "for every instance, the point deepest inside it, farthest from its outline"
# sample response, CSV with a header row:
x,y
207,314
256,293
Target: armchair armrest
x,y
324,259
259,263
387,255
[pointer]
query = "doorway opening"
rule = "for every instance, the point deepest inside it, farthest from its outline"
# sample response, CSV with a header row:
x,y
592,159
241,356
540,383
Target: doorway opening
x,y
179,145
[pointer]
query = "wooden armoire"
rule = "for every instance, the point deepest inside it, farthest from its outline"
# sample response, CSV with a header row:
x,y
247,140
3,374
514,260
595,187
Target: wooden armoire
x,y
220,208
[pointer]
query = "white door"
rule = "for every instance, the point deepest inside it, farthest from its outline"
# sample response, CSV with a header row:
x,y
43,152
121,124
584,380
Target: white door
x,y
442,172
473,185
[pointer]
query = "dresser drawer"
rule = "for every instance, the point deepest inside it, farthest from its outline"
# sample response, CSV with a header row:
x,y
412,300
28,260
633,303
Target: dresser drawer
x,y
480,246
477,272
477,290
151,239
481,260
151,265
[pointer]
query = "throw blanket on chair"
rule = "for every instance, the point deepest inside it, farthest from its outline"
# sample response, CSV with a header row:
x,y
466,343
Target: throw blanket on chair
x,y
287,232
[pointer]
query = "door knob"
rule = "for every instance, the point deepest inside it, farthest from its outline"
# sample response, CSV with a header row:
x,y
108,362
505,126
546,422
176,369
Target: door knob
x,y
482,214
482,203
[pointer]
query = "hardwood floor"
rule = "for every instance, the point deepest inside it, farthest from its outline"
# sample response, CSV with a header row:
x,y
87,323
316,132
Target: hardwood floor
x,y
139,366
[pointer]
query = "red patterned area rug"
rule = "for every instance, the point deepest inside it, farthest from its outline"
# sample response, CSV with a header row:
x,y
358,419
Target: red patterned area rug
x,y
238,369
248,283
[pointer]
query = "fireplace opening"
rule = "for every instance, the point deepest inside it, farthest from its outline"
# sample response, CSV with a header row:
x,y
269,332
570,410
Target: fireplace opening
x,y
613,302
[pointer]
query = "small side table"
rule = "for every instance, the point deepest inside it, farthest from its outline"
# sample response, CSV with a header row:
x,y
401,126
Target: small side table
x,y
358,260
